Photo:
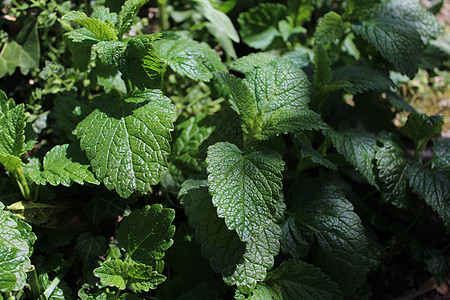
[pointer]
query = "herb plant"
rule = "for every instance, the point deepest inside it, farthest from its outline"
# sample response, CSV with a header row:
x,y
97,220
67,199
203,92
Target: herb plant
x,y
278,163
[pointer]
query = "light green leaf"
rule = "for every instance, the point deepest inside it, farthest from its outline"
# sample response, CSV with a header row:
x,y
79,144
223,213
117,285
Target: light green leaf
x,y
358,148
140,63
420,128
245,187
397,41
16,240
90,246
110,52
362,79
142,278
102,13
259,26
441,157
127,12
102,30
82,36
12,136
64,165
113,273
338,244
434,187
248,63
243,264
299,280
307,150
127,140
147,233
330,28
393,171
190,58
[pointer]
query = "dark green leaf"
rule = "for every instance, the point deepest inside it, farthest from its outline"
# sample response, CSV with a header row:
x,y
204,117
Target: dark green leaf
x,y
293,241
110,52
90,246
441,157
362,79
104,204
330,28
420,128
307,150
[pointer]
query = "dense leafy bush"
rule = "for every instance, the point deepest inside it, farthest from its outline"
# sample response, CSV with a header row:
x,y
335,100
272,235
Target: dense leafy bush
x,y
275,157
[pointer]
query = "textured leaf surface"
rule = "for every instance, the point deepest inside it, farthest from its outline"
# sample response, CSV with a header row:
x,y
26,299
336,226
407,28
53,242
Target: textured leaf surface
x,y
16,239
190,58
358,148
113,273
129,9
243,264
90,246
12,134
338,244
393,171
64,165
82,36
248,63
307,150
362,79
259,26
397,41
420,128
441,157
109,52
299,280
147,233
244,187
103,30
140,63
127,140
330,28
434,187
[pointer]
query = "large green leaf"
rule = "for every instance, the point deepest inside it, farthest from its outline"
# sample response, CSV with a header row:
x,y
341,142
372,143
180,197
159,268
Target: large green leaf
x,y
127,140
102,30
362,79
190,58
243,264
128,11
434,187
248,63
420,128
338,243
293,242
64,165
330,28
295,279
358,148
16,239
140,63
147,233
245,187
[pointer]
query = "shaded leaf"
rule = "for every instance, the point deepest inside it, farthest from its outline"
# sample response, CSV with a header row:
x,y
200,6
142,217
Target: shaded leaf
x,y
90,246
330,28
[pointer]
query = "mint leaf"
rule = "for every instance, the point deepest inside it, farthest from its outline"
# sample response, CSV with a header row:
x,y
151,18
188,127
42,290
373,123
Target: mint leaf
x,y
64,165
127,12
441,157
16,240
358,148
338,244
232,175
307,150
113,273
393,168
299,280
102,30
190,58
102,13
82,36
397,41
109,52
362,79
68,112
140,63
127,140
243,264
90,246
259,26
420,128
293,242
434,187
147,233
330,28
248,63
104,204
399,102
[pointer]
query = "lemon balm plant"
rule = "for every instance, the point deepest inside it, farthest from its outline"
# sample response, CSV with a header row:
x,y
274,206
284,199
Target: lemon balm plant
x,y
276,167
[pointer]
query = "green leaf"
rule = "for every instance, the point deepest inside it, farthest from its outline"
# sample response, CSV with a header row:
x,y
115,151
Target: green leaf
x,y
68,112
102,13
243,264
338,244
16,240
109,52
12,135
82,37
113,273
147,233
140,63
441,157
393,171
245,187
102,30
362,79
259,26
399,102
420,128
434,187
128,11
190,58
64,165
90,246
104,204
293,242
299,280
330,28
358,148
248,63
307,150
127,140
396,40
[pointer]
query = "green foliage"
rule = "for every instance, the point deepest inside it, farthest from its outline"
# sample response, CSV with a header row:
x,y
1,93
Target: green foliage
x,y
129,9
330,28
102,30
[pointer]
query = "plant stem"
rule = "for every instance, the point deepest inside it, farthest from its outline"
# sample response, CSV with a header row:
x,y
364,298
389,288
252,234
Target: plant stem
x,y
35,285
23,184
163,15
51,288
